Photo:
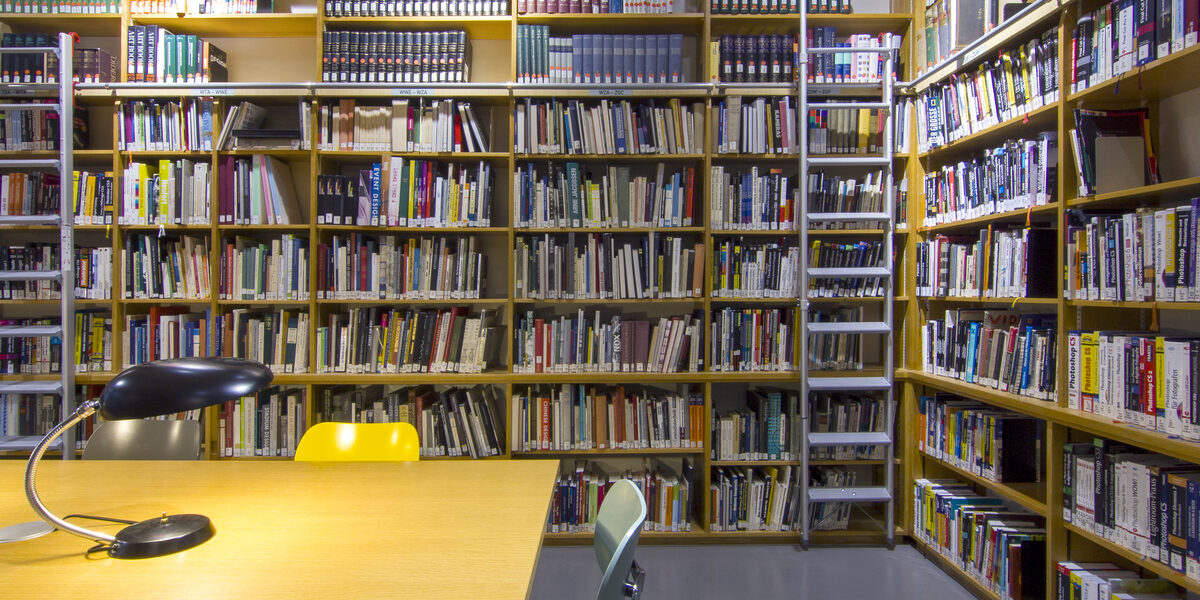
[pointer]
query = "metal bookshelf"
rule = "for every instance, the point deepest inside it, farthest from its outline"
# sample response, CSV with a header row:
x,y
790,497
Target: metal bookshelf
x,y
64,385
881,98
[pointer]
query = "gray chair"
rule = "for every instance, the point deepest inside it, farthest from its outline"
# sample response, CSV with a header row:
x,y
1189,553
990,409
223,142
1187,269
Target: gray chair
x,y
618,527
144,439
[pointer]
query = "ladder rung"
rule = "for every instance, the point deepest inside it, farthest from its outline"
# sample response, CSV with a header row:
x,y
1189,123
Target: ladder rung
x,y
822,384
834,272
30,276
853,327
29,49
30,220
12,331
850,494
850,438
29,163
849,216
849,160
849,105
41,386
29,106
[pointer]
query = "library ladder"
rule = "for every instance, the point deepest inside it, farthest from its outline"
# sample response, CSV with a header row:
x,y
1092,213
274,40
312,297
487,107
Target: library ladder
x,y
64,385
878,96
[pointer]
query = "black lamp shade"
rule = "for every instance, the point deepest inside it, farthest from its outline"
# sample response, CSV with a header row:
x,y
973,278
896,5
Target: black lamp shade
x,y
179,384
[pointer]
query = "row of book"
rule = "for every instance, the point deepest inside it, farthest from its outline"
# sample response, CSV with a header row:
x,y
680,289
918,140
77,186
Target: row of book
x,y
1149,380
24,129
277,339
1122,35
1000,546
756,126
39,355
756,58
835,193
408,193
1141,256
570,195
599,6
32,67
450,421
197,7
1106,580
768,498
768,428
756,200
755,339
92,266
385,340
579,493
1113,150
582,343
835,255
755,268
417,125
166,126
997,445
416,8
587,417
173,192
165,267
243,128
836,351
259,190
28,414
846,131
395,56
998,263
362,267
599,266
608,127
264,270
758,7
155,55
94,203
61,7
1017,175
1010,86
850,67
598,58
1135,499
268,423
999,349
30,194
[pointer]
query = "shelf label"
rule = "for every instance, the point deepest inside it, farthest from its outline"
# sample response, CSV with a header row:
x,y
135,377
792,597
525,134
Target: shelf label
x,y
970,56
823,90
214,92
609,92
414,92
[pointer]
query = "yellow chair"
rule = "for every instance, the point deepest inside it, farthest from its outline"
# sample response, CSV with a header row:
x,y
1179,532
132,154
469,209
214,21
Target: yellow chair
x,y
359,442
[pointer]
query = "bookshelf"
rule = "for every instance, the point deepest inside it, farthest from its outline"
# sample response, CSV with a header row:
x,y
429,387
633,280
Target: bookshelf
x,y
1159,85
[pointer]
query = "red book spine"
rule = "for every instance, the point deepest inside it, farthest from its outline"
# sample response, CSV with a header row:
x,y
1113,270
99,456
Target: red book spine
x,y
539,326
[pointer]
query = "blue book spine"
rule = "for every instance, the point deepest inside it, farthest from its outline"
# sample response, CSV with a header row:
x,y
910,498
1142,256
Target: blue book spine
x,y
972,337
376,177
618,119
1025,359
576,59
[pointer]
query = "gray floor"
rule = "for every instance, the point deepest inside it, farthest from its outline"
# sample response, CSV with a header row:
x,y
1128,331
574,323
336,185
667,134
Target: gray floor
x,y
754,571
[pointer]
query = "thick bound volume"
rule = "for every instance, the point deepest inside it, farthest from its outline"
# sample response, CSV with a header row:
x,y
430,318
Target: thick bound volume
x,y
395,56
417,8
93,272
159,56
274,270
1005,350
366,267
999,263
997,445
599,58
951,518
269,423
385,340
589,417
671,503
757,58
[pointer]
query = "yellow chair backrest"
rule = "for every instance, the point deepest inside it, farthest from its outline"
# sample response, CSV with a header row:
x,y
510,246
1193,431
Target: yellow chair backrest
x,y
359,442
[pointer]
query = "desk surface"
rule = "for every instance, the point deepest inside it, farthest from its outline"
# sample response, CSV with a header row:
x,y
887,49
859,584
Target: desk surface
x,y
428,530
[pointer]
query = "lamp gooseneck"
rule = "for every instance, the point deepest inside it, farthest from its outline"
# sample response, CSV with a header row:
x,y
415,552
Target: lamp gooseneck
x,y
84,411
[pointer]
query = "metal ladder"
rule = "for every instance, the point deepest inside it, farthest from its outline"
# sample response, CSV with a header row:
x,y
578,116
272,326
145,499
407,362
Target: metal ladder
x,y
881,330
64,386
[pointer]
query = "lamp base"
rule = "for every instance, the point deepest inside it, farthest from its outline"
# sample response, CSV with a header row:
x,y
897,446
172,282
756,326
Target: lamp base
x,y
161,536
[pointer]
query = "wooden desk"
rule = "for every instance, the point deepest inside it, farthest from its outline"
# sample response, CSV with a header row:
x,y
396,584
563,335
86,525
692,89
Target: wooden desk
x,y
425,530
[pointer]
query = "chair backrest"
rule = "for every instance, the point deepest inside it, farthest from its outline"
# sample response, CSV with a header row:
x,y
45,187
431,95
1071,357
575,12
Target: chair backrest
x,y
359,442
144,439
618,527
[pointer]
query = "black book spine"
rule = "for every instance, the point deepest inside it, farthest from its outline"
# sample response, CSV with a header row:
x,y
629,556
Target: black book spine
x,y
327,53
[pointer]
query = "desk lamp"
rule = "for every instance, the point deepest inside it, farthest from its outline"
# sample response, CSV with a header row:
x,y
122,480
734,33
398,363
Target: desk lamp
x,y
149,390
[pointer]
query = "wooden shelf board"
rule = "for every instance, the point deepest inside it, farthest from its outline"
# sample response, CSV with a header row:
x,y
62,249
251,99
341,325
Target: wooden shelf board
x,y
233,302
975,300
796,463
477,28
89,25
840,232
1133,304
165,153
1153,81
1013,216
152,301
413,230
597,230
1142,562
166,227
415,302
633,301
755,232
249,228
1031,496
43,302
610,452
276,152
862,22
976,588
1038,118
566,23
609,157
756,157
238,25
723,300
1147,195
612,92
378,154
851,300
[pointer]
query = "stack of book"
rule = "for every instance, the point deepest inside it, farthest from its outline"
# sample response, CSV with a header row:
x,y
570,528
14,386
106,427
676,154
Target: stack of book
x,y
417,125
362,267
998,263
23,129
278,339
93,272
173,192
569,195
94,350
598,57
755,268
669,493
1111,581
1014,176
34,67
166,126
29,414
165,267
759,125
756,499
1121,35
269,423
1142,256
257,190
587,343
395,56
30,354
1113,150
410,193
61,7
388,340
757,7
846,131
994,444
599,6
754,339
257,270
30,193
601,266
1004,350
608,127
752,199
589,417
159,56
93,198
766,429
849,67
